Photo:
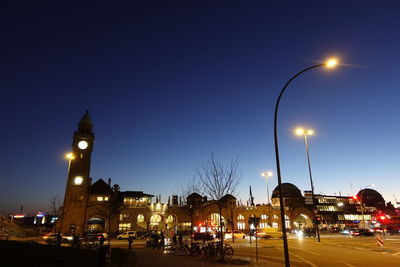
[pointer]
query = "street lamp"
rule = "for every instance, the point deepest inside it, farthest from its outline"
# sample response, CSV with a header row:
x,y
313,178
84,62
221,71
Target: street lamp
x,y
267,175
362,205
329,64
305,133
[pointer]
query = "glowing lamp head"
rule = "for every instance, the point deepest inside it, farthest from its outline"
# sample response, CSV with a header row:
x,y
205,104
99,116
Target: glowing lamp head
x,y
69,156
331,63
310,132
266,174
382,217
299,131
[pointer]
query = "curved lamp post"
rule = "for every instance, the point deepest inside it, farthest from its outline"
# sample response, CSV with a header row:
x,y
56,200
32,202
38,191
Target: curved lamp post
x,y
305,133
329,64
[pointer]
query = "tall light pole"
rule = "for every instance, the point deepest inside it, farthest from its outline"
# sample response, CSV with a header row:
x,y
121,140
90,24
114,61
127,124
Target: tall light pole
x,y
69,156
305,133
330,64
362,205
267,175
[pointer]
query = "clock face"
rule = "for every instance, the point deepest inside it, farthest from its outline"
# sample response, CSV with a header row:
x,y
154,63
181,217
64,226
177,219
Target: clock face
x,y
82,145
78,180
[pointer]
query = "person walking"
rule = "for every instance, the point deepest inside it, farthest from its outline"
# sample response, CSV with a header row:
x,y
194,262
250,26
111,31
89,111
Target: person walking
x,y
130,241
102,240
162,241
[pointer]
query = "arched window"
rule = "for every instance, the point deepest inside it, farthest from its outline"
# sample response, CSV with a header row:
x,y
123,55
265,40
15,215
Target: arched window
x,y
214,218
171,219
155,218
240,217
140,218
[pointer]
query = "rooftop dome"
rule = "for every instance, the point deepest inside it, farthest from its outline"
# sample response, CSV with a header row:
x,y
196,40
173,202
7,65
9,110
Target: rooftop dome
x,y
194,196
371,197
288,190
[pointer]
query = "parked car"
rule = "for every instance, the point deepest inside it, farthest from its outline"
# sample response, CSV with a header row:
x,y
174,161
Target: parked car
x,y
236,234
363,232
96,235
52,237
269,233
127,234
306,232
203,236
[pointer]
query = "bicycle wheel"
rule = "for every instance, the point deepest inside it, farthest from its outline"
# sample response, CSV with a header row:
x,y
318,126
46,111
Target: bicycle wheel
x,y
228,251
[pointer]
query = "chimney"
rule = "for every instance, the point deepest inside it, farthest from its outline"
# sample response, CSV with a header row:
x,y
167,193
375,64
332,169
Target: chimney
x,y
109,181
205,199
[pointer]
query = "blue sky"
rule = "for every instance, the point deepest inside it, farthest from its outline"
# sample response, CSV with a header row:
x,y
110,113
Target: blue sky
x,y
169,82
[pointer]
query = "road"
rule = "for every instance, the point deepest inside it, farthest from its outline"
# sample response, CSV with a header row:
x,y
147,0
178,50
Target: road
x,y
332,251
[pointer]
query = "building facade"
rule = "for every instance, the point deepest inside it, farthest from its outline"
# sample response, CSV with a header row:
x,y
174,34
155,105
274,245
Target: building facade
x,y
102,207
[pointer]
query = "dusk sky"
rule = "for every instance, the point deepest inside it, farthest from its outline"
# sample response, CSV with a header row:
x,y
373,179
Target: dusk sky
x,y
168,82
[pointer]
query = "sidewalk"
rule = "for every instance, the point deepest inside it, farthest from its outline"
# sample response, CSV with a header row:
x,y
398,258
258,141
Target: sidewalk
x,y
155,258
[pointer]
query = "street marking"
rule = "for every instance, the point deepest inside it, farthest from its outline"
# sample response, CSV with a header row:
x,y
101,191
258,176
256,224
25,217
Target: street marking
x,y
303,259
314,253
262,256
348,264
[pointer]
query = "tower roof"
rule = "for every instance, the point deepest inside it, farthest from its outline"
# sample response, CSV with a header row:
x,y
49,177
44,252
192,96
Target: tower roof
x,y
288,190
100,187
86,121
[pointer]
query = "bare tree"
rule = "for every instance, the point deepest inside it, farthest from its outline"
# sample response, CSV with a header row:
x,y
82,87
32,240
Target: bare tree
x,y
192,186
217,181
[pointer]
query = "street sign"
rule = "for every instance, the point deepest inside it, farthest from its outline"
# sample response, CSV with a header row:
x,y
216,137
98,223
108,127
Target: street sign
x,y
379,239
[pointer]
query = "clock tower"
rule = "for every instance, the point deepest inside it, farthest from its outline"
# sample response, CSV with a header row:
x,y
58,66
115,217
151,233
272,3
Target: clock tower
x,y
73,218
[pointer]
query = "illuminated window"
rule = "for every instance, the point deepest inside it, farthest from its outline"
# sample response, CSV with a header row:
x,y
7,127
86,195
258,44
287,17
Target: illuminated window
x,y
99,198
264,216
240,217
241,225
264,225
123,217
214,218
124,226
171,219
155,218
275,217
105,198
140,218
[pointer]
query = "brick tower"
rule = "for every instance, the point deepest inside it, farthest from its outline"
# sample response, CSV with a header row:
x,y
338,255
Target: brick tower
x,y
73,217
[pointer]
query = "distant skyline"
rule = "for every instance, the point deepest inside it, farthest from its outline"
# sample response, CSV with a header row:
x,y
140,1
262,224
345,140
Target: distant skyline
x,y
168,82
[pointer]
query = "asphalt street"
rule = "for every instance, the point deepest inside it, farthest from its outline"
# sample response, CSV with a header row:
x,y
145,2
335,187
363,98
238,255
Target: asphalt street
x,y
332,251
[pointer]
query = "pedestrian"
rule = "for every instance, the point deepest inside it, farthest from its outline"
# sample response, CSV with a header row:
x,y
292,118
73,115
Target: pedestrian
x,y
102,240
174,241
130,240
180,239
156,240
162,241
58,239
75,240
